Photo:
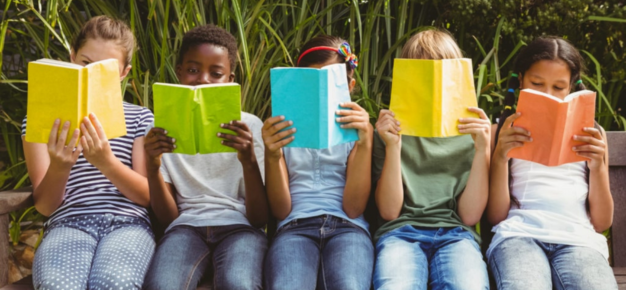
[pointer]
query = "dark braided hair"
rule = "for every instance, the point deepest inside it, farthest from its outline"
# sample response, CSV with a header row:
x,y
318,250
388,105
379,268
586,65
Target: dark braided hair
x,y
542,48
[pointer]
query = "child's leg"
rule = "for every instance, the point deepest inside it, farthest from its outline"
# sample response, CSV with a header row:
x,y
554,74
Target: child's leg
x,y
293,259
457,262
238,257
575,267
64,258
123,254
347,258
400,261
520,263
181,259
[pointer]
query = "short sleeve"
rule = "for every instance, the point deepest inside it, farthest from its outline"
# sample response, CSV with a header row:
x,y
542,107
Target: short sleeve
x,y
144,121
255,124
164,172
24,126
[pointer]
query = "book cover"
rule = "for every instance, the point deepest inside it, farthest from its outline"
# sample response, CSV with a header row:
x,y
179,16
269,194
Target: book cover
x,y
428,97
70,92
552,123
310,98
193,114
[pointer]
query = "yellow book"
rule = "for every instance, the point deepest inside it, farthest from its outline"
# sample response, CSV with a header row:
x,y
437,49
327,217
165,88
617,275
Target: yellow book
x,y
429,96
70,92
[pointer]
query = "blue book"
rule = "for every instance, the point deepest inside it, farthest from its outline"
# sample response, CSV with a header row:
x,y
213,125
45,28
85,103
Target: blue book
x,y
310,98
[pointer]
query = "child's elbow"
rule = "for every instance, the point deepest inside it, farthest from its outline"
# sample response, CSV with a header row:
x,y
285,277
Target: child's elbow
x,y
603,225
388,215
470,220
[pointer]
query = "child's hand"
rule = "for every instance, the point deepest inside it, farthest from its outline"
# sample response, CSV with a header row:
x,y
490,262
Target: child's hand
x,y
274,139
96,148
510,137
594,149
357,118
155,144
62,156
480,128
242,142
388,128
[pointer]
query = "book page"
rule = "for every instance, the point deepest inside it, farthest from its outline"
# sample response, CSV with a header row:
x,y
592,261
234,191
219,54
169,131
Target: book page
x,y
217,105
174,111
580,114
457,95
337,93
296,94
103,97
53,93
59,63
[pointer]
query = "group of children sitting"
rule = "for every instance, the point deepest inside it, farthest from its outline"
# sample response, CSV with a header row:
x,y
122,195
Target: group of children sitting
x,y
429,192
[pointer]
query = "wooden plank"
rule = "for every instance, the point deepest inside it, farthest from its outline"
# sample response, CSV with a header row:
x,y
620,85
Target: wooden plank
x,y
618,231
13,200
616,141
619,271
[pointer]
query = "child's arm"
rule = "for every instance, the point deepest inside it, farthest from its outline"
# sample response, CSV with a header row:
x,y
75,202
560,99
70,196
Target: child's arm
x,y
389,192
358,175
49,171
473,199
162,194
132,183
256,200
600,198
499,196
276,176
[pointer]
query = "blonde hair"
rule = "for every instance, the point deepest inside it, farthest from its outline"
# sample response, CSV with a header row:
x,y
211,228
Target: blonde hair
x,y
106,28
431,44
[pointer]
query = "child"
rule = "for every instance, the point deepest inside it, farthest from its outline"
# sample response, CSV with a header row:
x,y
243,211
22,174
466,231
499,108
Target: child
x,y
549,219
214,204
98,233
431,192
319,195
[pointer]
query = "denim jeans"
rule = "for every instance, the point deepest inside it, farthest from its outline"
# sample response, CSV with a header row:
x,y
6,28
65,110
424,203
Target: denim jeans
x,y
525,263
184,254
95,251
322,252
429,258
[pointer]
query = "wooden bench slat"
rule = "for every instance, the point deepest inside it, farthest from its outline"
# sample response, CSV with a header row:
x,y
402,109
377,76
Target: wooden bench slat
x,y
13,200
617,145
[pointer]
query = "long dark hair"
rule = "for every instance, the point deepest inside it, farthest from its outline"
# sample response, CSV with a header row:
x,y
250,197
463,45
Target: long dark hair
x,y
542,48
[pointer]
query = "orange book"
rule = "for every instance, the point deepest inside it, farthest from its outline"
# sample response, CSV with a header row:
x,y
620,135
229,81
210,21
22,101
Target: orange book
x,y
552,124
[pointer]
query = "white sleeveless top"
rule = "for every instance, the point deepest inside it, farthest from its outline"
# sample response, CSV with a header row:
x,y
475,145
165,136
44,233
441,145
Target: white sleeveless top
x,y
552,207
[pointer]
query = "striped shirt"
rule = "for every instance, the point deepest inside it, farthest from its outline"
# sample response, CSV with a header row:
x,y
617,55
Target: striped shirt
x,y
88,191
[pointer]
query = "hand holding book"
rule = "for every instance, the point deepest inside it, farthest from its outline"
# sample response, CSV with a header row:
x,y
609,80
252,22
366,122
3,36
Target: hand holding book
x,y
241,141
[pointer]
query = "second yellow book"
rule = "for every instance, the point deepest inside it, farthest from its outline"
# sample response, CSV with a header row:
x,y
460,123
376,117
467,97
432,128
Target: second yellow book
x,y
429,96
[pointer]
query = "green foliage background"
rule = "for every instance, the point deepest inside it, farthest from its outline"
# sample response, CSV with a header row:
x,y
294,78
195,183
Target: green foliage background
x,y
271,31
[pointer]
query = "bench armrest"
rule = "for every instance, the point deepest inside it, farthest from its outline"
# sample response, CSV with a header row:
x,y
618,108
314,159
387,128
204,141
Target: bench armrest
x,y
13,200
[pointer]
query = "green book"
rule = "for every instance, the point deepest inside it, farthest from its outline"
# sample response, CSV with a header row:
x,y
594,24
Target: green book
x,y
193,114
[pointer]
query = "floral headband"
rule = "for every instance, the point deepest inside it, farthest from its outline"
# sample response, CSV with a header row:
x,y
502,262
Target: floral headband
x,y
343,50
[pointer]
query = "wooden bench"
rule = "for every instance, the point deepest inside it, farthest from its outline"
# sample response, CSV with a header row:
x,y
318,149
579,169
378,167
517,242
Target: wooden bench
x,y
22,198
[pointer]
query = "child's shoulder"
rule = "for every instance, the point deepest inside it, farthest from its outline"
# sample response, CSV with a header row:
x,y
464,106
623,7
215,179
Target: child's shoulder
x,y
136,109
251,120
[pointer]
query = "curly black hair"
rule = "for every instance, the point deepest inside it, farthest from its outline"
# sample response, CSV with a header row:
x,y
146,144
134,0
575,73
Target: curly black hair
x,y
210,34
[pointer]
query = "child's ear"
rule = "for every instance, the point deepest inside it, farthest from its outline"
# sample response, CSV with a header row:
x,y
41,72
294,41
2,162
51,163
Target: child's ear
x,y
521,81
231,78
72,56
125,72
352,84
178,68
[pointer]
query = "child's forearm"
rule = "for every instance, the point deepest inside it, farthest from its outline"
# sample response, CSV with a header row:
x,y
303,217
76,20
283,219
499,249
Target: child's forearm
x,y
499,201
389,191
358,180
130,183
473,200
277,187
600,199
256,200
50,192
162,198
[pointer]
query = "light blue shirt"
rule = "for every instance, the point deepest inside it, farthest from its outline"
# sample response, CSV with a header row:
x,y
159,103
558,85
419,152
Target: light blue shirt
x,y
317,178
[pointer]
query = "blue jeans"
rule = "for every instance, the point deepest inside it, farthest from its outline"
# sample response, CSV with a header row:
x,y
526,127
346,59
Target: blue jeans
x,y
96,251
184,254
322,252
429,258
525,263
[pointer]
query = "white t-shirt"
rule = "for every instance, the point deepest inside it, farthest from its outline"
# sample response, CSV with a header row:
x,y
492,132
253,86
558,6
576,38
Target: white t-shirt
x,y
552,207
210,187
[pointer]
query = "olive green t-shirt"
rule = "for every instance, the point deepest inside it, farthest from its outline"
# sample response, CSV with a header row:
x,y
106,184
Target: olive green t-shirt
x,y
434,174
